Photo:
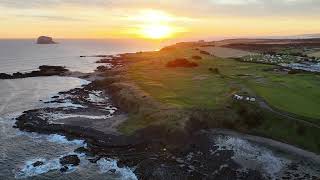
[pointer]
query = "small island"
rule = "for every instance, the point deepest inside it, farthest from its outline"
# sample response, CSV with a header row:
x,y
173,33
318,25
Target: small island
x,y
45,40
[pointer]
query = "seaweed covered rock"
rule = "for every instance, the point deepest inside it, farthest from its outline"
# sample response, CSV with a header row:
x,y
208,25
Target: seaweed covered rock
x,y
70,160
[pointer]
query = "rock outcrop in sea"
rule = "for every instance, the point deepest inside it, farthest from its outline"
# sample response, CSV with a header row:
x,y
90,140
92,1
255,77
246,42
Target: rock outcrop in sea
x,y
45,40
44,70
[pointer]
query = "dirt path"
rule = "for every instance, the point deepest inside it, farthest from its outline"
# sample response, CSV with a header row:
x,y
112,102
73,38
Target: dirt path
x,y
265,105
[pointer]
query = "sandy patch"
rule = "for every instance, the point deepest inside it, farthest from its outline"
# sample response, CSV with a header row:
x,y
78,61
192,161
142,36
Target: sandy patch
x,y
226,52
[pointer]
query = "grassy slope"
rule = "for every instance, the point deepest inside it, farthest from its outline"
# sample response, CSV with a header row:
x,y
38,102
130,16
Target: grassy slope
x,y
182,87
186,88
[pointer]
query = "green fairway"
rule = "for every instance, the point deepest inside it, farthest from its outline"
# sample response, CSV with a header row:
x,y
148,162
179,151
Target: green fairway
x,y
297,94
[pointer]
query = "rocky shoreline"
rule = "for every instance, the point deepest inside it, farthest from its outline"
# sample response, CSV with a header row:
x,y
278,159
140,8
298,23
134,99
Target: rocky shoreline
x,y
154,152
44,70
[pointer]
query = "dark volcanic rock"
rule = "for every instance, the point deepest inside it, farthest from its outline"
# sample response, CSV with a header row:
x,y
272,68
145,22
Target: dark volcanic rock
x,y
64,169
43,71
45,40
38,163
112,171
4,76
70,159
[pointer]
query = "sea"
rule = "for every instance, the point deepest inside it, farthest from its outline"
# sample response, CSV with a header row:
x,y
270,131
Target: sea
x,y
18,150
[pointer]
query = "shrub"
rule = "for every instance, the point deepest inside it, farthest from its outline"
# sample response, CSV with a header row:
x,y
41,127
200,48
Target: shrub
x,y
196,57
294,71
182,62
168,48
251,116
301,130
204,52
214,70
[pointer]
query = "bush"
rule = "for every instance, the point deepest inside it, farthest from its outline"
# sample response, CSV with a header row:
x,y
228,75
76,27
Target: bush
x,y
301,130
250,115
196,57
204,52
214,70
295,71
168,48
182,62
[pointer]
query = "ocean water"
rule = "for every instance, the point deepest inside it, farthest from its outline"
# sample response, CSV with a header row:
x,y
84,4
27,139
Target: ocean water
x,y
25,55
20,149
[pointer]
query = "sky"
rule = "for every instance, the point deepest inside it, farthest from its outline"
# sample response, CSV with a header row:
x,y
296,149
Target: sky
x,y
156,19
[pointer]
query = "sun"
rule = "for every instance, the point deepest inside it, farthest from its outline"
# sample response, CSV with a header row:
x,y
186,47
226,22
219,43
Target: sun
x,y
155,24
156,31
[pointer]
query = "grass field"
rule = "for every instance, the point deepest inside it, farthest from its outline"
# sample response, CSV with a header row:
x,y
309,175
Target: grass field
x,y
298,94
188,88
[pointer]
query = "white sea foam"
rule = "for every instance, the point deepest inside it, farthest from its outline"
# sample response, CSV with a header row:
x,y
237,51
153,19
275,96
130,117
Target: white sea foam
x,y
59,116
124,173
28,170
84,82
96,97
66,103
244,150
105,165
110,109
53,138
56,138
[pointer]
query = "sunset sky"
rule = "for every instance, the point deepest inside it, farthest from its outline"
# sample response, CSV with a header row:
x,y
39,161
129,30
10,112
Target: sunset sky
x,y
157,19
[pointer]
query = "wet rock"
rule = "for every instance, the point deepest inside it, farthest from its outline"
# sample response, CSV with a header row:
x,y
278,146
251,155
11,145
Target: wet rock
x,y
112,171
64,169
70,159
179,160
102,68
38,163
95,159
45,40
4,76
83,150
43,71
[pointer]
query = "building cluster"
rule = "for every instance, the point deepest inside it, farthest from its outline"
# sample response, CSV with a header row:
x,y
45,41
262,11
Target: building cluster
x,y
244,98
270,59
288,61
